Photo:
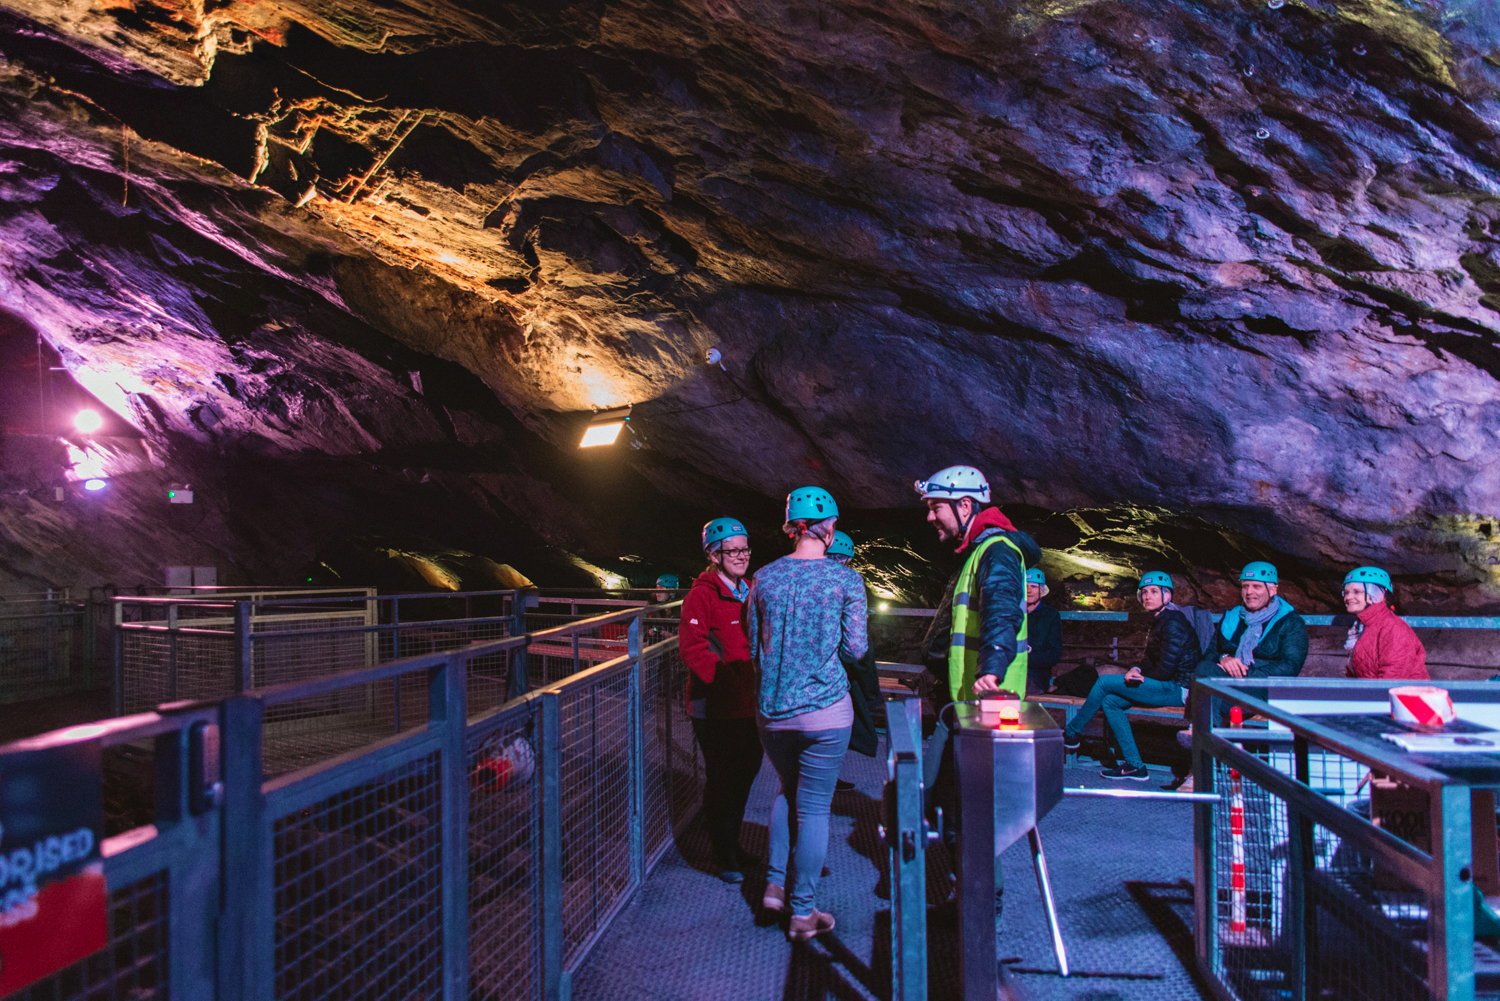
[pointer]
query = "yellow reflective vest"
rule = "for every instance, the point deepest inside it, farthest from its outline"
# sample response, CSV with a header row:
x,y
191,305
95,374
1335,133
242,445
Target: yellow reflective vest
x,y
963,647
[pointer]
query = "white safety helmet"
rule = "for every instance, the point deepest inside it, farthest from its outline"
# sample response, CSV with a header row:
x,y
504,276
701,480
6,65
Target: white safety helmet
x,y
956,483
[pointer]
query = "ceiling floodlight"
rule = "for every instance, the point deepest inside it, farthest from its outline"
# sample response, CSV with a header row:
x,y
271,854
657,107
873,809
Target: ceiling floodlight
x,y
604,427
88,421
93,484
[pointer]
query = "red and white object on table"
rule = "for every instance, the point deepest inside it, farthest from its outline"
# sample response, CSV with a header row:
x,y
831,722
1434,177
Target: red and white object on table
x,y
1422,705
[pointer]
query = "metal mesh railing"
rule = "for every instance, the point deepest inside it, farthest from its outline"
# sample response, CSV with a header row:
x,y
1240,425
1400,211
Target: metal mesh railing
x,y
134,965
358,891
573,791
595,755
1367,927
45,649
190,648
504,857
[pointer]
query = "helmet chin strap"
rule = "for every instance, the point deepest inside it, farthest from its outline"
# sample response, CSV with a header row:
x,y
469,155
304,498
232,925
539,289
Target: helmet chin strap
x,y
963,527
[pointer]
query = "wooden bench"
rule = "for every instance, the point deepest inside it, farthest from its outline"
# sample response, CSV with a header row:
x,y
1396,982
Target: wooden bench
x,y
1067,706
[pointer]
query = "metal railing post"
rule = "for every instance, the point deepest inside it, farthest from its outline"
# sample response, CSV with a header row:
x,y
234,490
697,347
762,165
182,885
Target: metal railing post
x,y
906,848
172,653
246,932
1450,897
244,660
396,628
551,846
446,696
517,683
118,667
1205,878
1299,929
636,702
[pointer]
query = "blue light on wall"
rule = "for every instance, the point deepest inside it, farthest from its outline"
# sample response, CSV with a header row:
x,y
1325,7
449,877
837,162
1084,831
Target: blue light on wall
x,y
93,484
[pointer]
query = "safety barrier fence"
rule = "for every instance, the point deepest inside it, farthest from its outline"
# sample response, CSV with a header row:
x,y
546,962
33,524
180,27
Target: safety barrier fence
x,y
1298,894
46,647
169,648
461,854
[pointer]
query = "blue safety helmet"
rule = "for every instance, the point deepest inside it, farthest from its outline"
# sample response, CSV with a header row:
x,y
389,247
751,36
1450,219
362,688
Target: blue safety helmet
x,y
720,529
841,545
668,580
1261,571
954,484
1368,575
1160,579
810,504
1035,576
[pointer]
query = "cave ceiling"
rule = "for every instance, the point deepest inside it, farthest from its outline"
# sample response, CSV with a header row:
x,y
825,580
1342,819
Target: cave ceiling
x,y
1233,261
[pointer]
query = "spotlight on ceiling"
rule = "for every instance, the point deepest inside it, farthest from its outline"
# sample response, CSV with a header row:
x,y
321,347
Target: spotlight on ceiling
x,y
604,427
93,484
88,421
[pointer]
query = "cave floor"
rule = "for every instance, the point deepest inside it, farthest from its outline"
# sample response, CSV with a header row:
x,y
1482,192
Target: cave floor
x,y
1121,871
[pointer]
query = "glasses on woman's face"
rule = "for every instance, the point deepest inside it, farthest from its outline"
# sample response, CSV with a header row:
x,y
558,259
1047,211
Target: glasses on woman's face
x,y
735,554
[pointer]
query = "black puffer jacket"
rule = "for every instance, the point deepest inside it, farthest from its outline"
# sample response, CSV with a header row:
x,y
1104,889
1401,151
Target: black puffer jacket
x,y
1171,649
999,590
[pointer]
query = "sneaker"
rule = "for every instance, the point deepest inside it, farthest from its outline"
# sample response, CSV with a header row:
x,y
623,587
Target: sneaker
x,y
1126,772
731,876
774,899
808,928
1071,741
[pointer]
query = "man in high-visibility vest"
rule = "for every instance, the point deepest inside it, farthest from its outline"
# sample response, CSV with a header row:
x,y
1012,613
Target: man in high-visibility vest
x,y
977,641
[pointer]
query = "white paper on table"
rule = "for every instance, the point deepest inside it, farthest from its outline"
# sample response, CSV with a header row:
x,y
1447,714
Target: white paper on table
x,y
1487,742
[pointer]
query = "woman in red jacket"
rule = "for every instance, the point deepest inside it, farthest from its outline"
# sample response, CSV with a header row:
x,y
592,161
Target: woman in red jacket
x,y
1380,644
721,689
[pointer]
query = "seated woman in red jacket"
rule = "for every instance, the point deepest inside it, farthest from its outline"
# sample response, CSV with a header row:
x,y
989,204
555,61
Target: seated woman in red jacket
x,y
1381,645
721,688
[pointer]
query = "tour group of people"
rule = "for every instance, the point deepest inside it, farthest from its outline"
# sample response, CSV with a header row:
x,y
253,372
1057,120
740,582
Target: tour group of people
x,y
779,664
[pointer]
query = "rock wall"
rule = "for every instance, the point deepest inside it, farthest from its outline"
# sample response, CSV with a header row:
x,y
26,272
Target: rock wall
x,y
1221,274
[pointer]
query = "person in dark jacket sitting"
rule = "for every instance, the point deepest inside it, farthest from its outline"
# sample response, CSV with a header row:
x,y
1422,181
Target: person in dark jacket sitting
x,y
1158,680
1044,632
1263,638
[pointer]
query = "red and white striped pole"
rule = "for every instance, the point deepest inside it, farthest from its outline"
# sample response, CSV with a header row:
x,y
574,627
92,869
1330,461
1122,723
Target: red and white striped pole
x,y
1236,841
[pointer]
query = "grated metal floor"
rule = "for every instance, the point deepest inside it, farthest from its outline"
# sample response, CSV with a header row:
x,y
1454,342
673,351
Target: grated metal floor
x,y
1122,874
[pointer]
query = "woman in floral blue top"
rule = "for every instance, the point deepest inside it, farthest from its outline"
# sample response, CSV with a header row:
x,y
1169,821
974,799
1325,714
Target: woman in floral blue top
x,y
803,610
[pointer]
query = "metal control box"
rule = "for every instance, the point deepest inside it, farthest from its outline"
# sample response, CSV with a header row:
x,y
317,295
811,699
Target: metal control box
x,y
1010,776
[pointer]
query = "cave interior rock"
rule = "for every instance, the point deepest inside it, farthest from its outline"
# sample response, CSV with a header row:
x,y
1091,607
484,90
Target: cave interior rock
x,y
1194,281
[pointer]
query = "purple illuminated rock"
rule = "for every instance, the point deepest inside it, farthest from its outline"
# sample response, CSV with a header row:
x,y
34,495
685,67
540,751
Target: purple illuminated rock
x,y
1224,264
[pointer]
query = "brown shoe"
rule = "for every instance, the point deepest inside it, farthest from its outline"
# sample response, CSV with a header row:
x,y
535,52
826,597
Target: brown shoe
x,y
774,898
808,928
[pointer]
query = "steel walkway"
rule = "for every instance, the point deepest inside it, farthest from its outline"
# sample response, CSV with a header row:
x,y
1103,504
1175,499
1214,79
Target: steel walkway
x,y
1121,872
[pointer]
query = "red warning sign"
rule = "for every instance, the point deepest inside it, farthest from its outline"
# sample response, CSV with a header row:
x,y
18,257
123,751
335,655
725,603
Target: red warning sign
x,y
54,905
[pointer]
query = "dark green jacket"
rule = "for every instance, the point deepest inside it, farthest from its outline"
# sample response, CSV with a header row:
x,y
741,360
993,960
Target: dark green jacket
x,y
1281,652
864,692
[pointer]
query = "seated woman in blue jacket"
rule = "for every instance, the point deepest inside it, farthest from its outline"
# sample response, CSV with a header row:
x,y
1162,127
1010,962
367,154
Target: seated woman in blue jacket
x,y
1165,670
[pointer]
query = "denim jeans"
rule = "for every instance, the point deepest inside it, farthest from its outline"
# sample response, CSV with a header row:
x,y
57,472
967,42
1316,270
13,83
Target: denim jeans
x,y
808,763
1114,697
942,790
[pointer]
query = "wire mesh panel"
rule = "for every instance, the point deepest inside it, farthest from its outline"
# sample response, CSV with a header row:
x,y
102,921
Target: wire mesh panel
x,y
596,808
657,713
552,658
1251,838
1366,928
504,859
358,891
44,650
1370,927
305,731
133,967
